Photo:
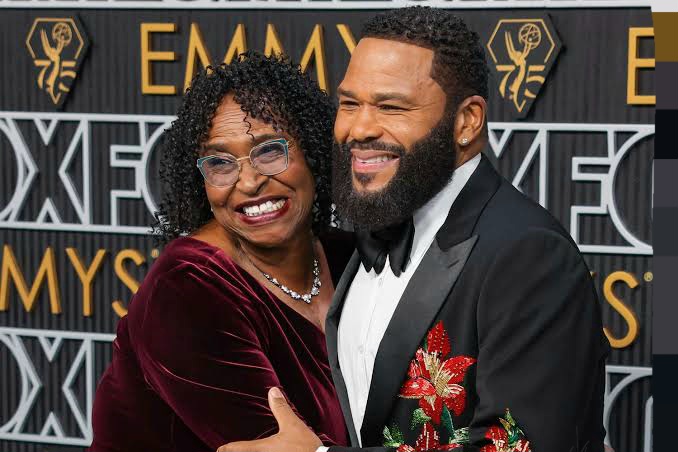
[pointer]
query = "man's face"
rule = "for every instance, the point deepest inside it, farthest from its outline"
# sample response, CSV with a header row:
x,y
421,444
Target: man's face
x,y
387,103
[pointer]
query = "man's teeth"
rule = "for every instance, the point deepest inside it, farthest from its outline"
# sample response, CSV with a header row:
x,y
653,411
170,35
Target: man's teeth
x,y
380,159
267,207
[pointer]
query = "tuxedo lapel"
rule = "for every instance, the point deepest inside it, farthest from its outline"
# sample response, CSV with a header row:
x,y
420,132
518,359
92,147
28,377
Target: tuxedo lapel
x,y
331,328
418,307
423,298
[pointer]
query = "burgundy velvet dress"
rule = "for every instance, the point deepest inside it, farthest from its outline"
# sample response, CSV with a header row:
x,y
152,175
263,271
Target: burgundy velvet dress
x,y
195,356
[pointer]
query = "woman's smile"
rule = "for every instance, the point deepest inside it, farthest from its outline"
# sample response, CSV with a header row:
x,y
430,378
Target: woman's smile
x,y
263,211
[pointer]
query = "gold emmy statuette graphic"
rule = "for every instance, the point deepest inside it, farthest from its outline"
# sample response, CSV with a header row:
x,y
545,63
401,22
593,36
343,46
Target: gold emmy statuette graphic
x,y
57,46
523,52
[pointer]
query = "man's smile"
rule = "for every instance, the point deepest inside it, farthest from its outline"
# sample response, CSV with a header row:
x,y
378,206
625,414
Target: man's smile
x,y
366,161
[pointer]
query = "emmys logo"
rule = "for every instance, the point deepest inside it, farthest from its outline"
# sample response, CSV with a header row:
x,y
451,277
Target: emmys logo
x,y
523,52
57,47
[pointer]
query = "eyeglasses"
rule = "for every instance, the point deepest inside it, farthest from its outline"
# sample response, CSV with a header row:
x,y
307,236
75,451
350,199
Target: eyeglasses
x,y
268,158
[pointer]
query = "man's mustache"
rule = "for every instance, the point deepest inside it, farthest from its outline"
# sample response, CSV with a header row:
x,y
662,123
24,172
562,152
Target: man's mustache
x,y
372,145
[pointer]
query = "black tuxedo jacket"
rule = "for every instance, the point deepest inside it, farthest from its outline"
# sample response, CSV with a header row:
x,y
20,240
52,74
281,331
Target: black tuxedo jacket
x,y
497,342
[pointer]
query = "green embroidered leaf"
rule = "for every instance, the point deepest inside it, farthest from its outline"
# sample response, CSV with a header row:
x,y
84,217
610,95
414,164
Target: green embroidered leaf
x,y
387,436
397,435
513,431
461,436
419,418
393,437
446,420
388,439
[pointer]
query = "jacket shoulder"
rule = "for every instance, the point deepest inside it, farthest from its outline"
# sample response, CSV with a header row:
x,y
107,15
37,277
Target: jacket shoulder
x,y
510,214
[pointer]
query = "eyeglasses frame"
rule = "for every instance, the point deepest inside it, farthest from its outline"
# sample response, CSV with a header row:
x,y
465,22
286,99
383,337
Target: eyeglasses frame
x,y
282,141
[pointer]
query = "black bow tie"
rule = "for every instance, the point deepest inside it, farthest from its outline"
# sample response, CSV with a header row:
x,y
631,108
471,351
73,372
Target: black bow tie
x,y
394,242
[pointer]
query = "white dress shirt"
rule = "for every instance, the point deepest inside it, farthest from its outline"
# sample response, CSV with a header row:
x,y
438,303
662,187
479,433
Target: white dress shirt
x,y
372,299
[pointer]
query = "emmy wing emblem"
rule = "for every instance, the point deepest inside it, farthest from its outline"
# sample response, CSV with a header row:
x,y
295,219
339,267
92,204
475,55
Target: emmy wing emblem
x,y
523,52
57,46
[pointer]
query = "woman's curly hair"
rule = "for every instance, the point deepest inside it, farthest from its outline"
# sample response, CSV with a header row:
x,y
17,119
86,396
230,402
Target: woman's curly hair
x,y
271,89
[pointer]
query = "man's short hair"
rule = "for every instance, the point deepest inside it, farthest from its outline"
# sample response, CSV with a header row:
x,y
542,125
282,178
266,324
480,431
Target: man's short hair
x,y
459,64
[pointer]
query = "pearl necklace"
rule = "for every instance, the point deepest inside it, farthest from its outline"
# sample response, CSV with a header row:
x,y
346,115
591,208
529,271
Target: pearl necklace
x,y
315,288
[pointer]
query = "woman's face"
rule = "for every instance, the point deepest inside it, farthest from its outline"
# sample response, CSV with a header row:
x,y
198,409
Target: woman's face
x,y
243,208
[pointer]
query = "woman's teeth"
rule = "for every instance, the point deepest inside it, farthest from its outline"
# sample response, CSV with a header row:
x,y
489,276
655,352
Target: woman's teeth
x,y
382,158
267,207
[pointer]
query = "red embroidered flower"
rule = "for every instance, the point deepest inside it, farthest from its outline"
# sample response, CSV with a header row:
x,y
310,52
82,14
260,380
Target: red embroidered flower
x,y
489,448
449,446
506,438
428,439
523,445
435,380
499,438
405,448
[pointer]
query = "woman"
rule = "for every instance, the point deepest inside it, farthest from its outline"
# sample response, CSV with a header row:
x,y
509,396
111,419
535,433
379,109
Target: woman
x,y
236,302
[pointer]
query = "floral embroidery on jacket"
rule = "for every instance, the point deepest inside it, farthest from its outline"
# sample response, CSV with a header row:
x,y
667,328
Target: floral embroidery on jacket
x,y
506,438
428,440
435,380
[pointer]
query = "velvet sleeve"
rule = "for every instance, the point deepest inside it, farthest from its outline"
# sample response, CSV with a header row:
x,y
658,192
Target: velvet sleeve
x,y
541,354
202,347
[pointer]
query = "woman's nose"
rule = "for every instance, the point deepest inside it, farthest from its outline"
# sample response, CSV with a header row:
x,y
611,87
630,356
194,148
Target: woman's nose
x,y
250,180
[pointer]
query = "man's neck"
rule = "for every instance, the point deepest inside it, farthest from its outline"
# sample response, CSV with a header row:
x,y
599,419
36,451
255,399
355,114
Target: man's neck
x,y
467,153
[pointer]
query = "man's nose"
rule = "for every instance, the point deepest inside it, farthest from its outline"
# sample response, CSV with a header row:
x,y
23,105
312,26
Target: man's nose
x,y
365,126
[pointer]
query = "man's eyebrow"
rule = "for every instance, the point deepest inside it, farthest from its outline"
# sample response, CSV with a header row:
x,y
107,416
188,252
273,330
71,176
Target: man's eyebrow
x,y
378,97
345,92
389,95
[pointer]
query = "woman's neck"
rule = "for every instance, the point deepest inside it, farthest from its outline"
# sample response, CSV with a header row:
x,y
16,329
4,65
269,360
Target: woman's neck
x,y
290,263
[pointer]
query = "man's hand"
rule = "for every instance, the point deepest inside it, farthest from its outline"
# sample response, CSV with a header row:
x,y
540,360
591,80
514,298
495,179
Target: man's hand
x,y
293,436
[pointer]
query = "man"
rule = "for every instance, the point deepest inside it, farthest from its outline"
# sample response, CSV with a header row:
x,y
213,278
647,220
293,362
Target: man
x,y
467,319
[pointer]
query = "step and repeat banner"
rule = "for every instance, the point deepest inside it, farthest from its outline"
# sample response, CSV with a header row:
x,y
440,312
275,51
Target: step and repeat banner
x,y
87,88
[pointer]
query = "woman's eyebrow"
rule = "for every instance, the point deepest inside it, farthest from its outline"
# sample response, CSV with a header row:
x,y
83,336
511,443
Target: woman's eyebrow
x,y
265,137
217,146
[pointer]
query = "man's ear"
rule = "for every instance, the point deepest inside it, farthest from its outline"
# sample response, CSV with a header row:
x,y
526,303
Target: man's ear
x,y
469,121
469,128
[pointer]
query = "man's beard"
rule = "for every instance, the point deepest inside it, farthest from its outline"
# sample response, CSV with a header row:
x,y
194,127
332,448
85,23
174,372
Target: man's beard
x,y
422,173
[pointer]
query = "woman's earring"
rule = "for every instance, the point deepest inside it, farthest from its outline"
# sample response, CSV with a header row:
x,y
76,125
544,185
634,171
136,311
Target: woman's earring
x,y
464,141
